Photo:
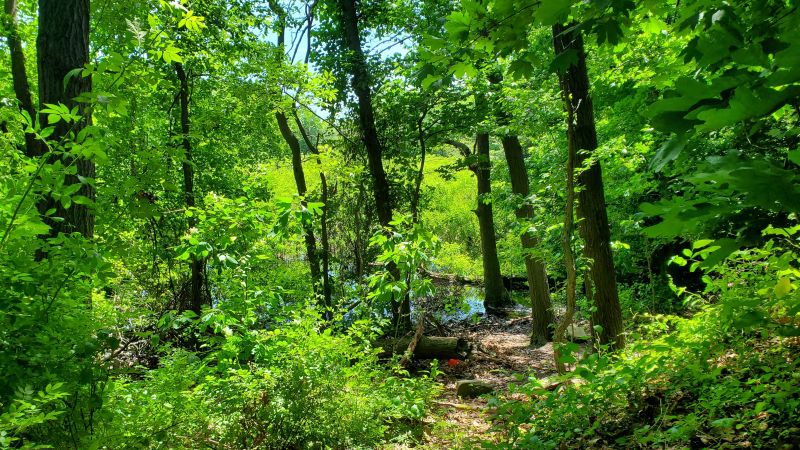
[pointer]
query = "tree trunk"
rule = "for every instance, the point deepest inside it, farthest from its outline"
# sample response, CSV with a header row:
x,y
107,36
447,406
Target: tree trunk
x,y
495,294
326,249
427,347
566,245
362,88
63,45
197,281
594,228
299,175
300,181
297,162
539,290
421,172
19,77
401,311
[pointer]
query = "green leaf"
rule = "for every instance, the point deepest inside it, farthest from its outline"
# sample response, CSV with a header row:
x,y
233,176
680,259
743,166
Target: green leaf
x,y
171,55
562,61
783,287
70,75
429,80
726,247
520,68
81,200
726,422
669,151
794,156
678,261
551,12
701,243
463,68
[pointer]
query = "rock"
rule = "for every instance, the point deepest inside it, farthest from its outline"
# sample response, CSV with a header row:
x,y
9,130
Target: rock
x,y
473,388
577,333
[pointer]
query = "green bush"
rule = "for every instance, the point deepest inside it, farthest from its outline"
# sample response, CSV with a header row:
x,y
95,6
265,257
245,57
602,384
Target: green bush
x,y
729,374
293,387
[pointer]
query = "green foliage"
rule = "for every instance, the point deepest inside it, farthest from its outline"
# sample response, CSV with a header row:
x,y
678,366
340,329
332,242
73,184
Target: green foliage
x,y
408,247
697,123
728,373
30,409
296,385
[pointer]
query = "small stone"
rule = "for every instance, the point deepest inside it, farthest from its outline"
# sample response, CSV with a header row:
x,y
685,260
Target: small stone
x,y
578,333
473,388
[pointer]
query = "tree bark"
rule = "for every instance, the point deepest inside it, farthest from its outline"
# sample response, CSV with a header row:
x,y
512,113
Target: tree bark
x,y
297,163
326,248
566,245
538,288
594,227
302,189
421,172
495,294
19,76
401,309
196,300
63,45
362,87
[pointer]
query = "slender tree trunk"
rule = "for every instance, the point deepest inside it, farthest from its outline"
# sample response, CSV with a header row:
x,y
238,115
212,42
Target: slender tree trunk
x,y
421,172
300,181
297,163
362,88
401,310
326,249
297,169
569,257
495,294
539,290
326,246
19,76
594,228
197,274
63,45
327,289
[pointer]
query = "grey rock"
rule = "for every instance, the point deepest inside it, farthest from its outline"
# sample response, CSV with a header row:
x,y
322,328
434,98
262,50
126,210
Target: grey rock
x,y
473,388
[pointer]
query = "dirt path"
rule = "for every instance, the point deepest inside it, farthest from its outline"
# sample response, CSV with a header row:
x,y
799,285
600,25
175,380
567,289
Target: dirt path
x,y
501,350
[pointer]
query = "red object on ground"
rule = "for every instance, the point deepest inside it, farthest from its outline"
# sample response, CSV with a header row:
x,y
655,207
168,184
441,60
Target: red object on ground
x,y
452,362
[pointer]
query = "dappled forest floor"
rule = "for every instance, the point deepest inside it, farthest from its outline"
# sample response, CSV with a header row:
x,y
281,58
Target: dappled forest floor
x,y
501,355
501,349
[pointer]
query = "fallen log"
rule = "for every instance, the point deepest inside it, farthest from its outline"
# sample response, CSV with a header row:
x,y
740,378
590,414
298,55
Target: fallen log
x,y
413,343
512,283
428,347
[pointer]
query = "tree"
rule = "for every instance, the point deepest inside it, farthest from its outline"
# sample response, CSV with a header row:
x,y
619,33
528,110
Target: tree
x,y
297,165
601,285
360,82
19,76
538,287
196,299
495,294
327,290
63,47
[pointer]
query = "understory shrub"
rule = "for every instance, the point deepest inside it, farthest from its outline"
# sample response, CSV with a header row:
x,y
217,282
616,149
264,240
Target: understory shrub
x,y
729,375
292,387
